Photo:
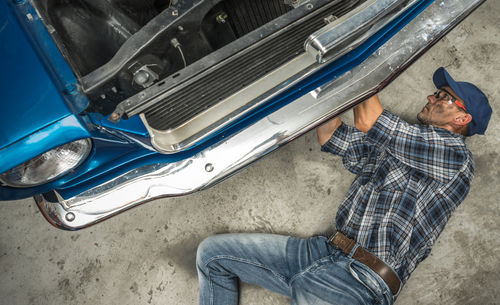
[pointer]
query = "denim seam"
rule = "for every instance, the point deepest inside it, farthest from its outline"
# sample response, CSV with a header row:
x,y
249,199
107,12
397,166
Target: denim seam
x,y
211,289
279,276
313,264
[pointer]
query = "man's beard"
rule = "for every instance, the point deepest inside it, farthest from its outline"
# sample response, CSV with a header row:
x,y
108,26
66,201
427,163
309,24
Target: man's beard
x,y
423,119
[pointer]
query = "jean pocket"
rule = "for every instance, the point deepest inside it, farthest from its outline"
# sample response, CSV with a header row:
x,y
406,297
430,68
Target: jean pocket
x,y
365,277
320,265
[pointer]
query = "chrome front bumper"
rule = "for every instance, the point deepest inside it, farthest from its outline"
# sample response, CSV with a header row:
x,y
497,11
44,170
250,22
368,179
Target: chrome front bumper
x,y
226,157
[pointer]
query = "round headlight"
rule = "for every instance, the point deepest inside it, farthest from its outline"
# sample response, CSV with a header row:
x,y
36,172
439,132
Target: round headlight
x,y
48,166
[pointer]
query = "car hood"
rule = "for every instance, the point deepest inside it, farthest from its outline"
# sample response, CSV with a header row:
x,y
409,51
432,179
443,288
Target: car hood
x,y
30,99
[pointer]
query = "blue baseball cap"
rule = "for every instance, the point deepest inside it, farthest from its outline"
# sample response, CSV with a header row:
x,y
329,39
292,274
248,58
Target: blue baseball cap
x,y
476,102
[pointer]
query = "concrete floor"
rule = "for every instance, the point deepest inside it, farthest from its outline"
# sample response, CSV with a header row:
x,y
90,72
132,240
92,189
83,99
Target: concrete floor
x,y
147,255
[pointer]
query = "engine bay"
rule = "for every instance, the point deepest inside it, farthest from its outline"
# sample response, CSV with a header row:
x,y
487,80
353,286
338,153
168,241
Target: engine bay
x,y
119,47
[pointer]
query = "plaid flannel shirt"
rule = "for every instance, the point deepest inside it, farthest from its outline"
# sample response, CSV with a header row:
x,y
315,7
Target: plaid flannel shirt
x,y
409,179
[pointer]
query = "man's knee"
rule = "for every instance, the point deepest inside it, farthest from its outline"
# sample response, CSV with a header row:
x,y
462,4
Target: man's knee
x,y
210,247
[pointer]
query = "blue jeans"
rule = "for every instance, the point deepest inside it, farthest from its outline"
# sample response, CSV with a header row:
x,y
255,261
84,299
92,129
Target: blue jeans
x,y
309,271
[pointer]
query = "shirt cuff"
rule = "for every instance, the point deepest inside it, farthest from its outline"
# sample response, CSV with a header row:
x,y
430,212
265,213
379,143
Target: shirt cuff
x,y
338,144
383,129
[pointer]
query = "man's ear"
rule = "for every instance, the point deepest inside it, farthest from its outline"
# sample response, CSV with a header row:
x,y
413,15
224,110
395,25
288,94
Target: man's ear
x,y
463,119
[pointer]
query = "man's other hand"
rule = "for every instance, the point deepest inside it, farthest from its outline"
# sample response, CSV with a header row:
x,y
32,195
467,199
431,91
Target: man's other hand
x,y
367,113
326,130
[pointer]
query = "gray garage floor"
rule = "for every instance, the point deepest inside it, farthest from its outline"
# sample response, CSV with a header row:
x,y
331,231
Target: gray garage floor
x,y
146,255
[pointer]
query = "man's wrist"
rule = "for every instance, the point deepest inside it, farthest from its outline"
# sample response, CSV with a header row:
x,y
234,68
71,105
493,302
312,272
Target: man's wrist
x,y
326,131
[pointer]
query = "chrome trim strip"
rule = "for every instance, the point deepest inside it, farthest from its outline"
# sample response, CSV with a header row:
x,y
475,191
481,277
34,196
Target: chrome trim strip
x,y
226,157
348,32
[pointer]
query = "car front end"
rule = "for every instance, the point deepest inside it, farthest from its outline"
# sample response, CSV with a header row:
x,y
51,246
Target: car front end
x,y
166,98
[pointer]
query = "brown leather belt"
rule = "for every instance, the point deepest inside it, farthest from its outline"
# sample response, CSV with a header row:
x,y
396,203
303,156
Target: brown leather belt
x,y
379,267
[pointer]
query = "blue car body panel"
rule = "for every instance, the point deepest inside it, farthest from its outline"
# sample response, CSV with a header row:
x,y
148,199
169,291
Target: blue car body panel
x,y
40,104
30,100
133,125
45,92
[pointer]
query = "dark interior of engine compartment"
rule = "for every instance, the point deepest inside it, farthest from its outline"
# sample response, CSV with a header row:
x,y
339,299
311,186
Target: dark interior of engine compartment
x,y
90,32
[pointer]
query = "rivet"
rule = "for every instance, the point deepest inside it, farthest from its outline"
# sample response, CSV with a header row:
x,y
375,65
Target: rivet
x,y
221,18
70,89
209,167
114,117
70,216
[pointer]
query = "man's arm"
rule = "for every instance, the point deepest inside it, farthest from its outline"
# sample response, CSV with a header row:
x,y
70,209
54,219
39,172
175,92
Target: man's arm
x,y
367,113
326,130
347,141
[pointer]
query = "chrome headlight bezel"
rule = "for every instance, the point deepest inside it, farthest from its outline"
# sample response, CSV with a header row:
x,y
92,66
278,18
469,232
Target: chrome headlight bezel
x,y
48,166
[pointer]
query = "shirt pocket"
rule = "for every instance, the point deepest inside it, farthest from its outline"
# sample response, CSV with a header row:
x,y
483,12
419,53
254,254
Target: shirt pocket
x,y
397,176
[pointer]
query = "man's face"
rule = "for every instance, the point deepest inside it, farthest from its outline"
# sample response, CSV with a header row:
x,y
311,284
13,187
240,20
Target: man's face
x,y
442,108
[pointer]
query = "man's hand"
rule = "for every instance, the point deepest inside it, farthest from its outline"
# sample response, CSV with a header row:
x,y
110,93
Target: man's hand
x,y
326,130
367,113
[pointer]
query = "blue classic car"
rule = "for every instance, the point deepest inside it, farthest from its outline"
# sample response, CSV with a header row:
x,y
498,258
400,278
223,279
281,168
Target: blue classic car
x,y
107,104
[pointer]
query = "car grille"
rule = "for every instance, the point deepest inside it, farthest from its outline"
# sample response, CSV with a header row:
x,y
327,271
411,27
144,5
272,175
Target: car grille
x,y
239,71
248,16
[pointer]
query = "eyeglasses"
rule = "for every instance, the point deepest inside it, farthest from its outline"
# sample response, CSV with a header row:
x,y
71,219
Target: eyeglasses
x,y
443,95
